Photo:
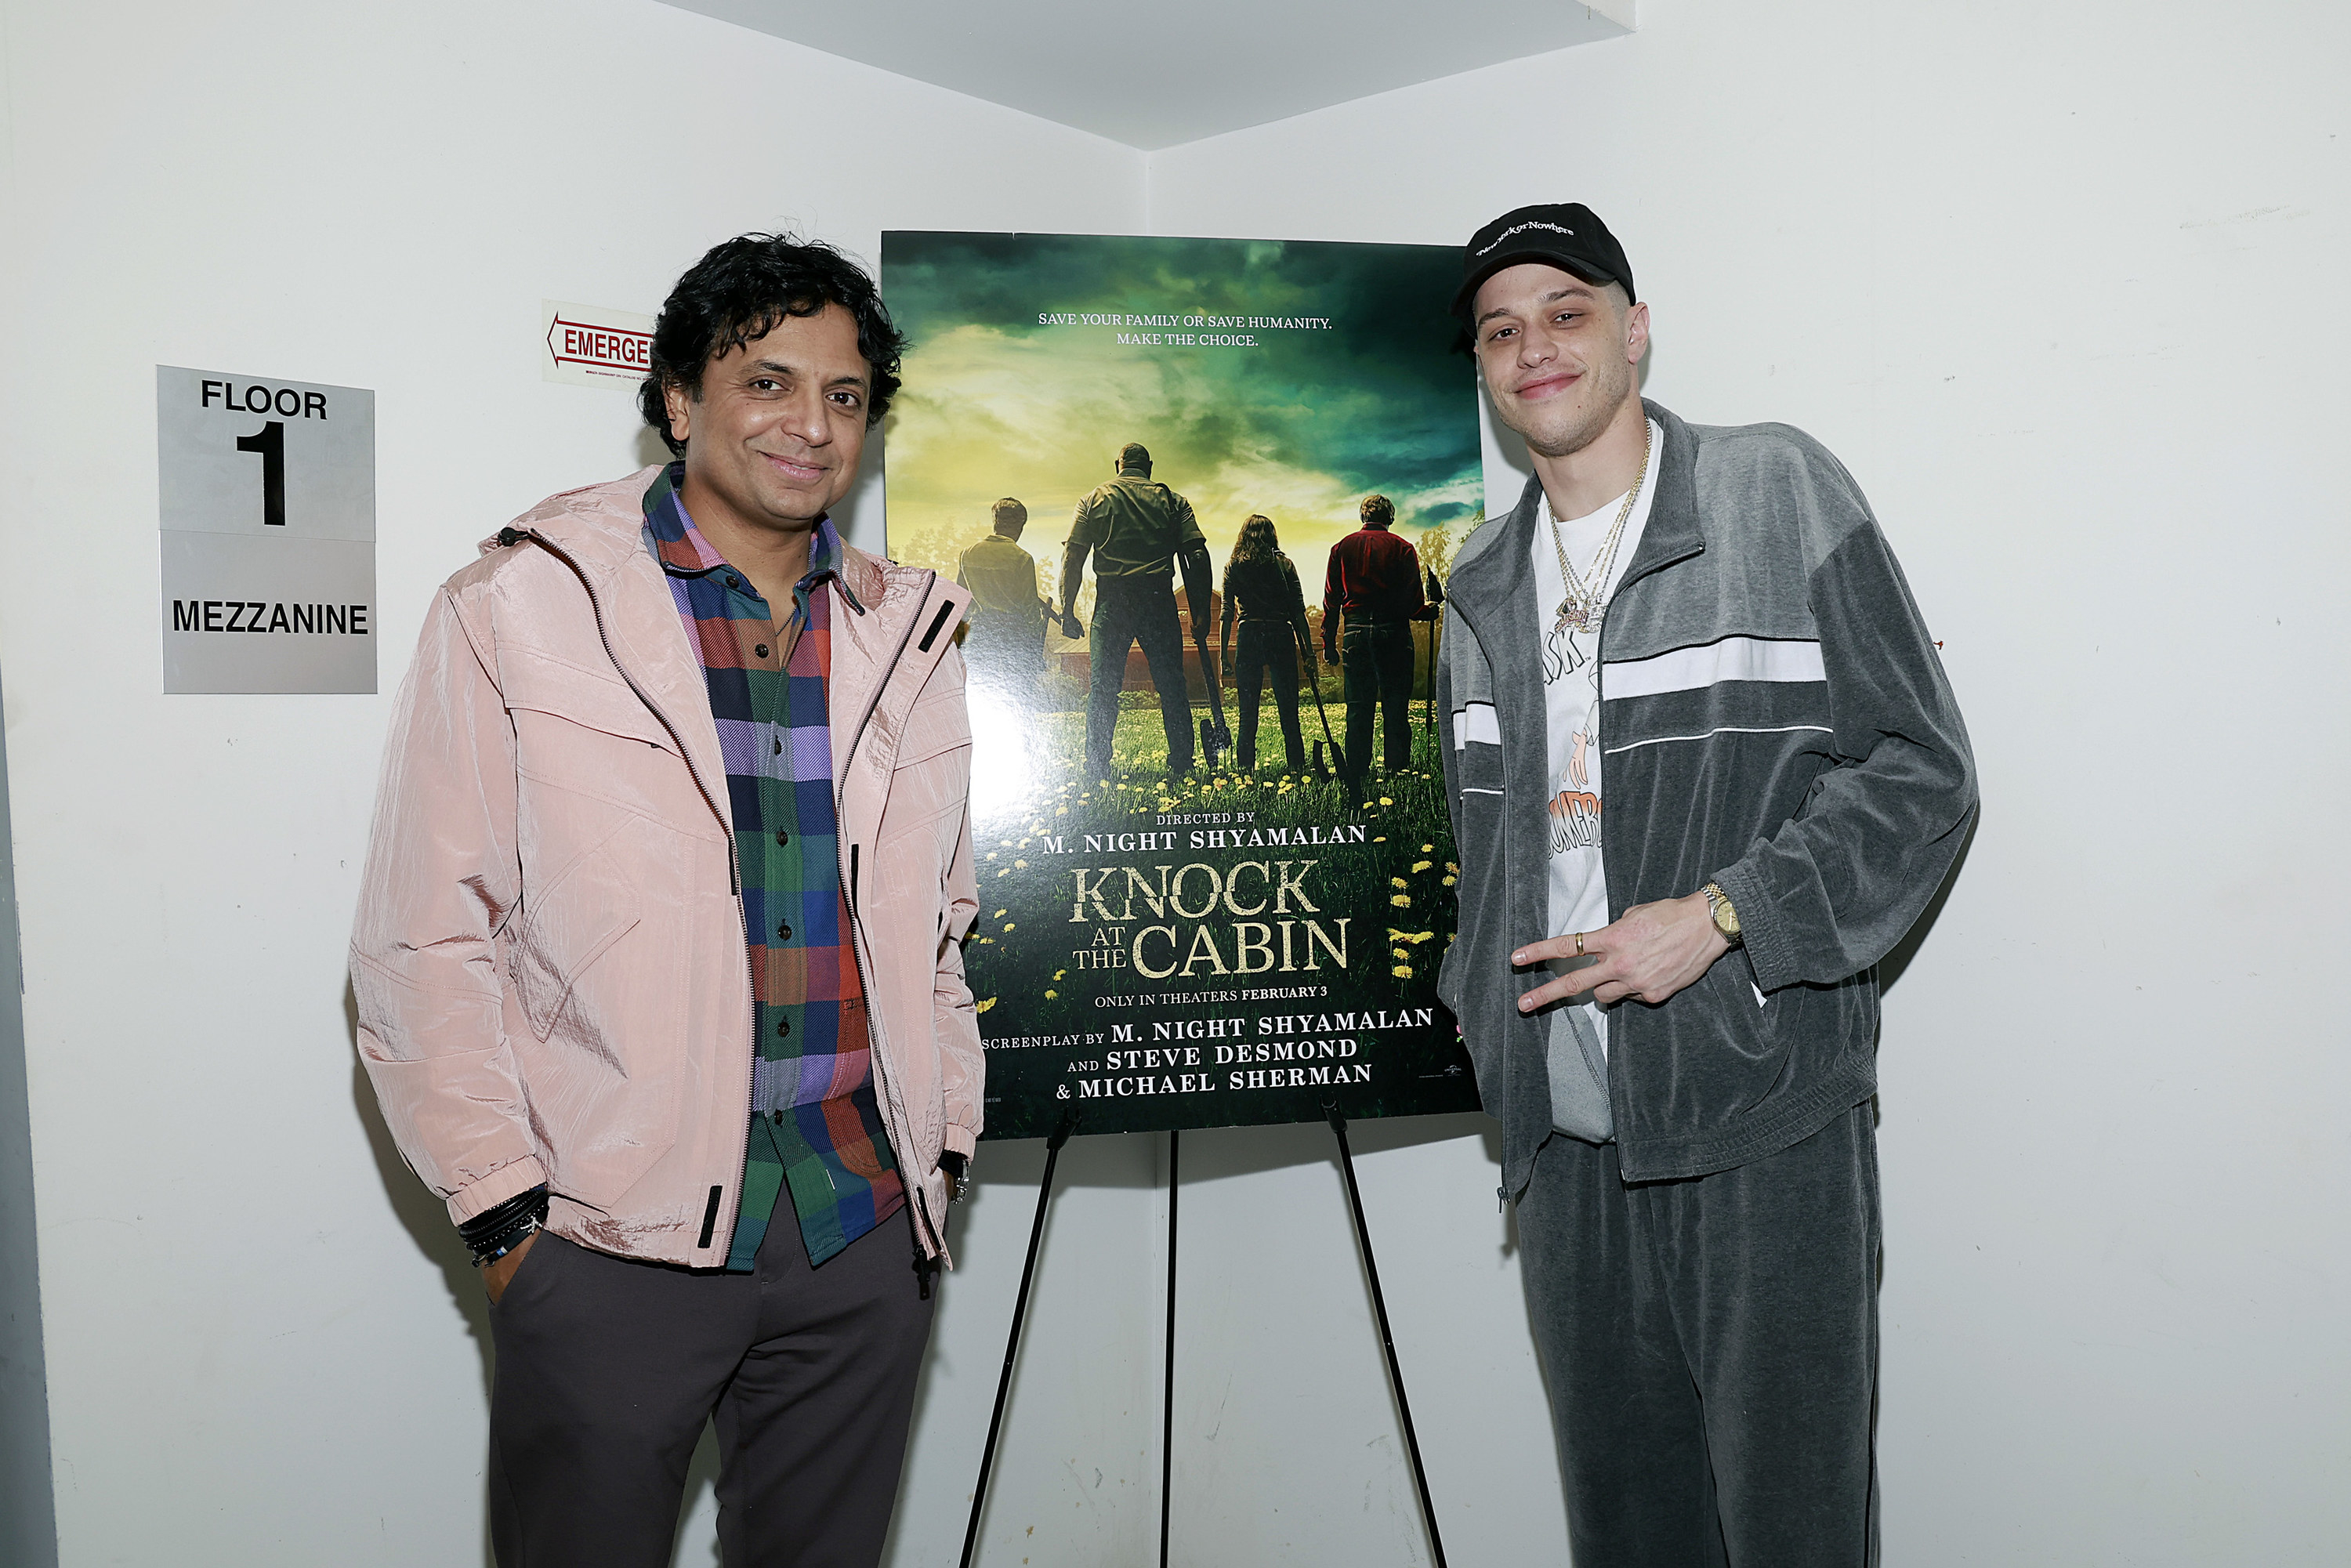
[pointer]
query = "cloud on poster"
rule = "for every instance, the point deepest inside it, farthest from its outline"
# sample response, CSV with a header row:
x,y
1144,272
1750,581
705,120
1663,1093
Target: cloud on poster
x,y
1314,374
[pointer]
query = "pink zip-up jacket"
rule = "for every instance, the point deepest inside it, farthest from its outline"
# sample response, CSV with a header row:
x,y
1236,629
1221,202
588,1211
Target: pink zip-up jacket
x,y
549,960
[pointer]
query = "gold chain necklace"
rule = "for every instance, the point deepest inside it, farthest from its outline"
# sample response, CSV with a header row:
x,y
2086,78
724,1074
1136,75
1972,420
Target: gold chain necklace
x,y
1585,605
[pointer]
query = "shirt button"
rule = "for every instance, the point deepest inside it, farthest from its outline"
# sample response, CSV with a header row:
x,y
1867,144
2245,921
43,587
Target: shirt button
x,y
783,932
760,649
783,836
783,1026
776,1117
780,748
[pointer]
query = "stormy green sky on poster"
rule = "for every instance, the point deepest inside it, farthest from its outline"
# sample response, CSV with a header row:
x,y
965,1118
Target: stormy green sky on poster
x,y
1299,427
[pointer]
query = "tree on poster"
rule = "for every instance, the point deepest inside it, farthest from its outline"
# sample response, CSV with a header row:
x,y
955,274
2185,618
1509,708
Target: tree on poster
x,y
1246,939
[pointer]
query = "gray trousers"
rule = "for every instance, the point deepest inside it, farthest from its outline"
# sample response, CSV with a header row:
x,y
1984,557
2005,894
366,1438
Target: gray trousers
x,y
607,1370
1711,1351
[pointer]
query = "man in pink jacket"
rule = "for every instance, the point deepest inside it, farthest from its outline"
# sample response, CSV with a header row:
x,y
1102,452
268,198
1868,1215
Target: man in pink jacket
x,y
658,951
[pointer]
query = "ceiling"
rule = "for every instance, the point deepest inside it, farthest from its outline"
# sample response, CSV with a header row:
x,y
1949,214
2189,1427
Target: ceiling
x,y
1156,76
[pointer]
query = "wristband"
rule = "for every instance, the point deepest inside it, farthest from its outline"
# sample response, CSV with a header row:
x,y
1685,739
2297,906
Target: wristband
x,y
506,1243
958,1170
501,1228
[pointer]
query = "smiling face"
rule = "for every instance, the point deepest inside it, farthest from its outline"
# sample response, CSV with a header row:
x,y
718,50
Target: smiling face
x,y
1557,353
774,438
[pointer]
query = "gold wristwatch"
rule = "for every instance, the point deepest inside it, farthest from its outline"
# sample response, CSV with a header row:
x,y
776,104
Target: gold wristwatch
x,y
1726,914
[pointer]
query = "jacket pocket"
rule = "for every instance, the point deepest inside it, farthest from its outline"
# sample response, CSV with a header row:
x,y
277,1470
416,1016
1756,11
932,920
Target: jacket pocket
x,y
566,926
598,967
935,725
582,738
538,683
930,782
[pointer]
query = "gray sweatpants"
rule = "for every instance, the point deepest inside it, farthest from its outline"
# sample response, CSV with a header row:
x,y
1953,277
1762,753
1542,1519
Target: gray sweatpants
x,y
1711,1351
607,1370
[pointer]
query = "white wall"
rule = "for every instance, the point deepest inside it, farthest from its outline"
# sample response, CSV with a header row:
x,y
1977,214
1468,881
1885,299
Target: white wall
x,y
2060,284
262,1345
2063,285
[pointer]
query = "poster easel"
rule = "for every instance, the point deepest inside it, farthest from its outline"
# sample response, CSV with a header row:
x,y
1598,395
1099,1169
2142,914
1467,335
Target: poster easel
x,y
1060,1135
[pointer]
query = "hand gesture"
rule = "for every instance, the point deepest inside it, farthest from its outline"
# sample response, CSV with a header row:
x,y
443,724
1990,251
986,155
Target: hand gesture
x,y
1655,950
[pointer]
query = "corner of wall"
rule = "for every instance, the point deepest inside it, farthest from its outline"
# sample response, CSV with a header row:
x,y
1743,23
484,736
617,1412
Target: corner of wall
x,y
29,1517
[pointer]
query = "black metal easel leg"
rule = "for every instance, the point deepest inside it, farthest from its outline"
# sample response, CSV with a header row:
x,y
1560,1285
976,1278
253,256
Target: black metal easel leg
x,y
1167,1397
1060,1134
1387,1339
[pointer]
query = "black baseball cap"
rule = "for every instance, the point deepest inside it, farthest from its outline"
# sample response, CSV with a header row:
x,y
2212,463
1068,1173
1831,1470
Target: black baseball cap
x,y
1567,234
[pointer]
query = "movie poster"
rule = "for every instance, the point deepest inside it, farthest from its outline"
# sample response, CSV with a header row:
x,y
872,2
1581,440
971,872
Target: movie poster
x,y
1198,906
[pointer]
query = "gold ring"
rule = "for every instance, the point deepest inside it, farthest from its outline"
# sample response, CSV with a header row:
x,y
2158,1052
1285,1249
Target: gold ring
x,y
1579,943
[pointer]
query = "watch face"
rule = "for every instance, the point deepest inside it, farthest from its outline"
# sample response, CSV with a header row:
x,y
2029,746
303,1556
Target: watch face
x,y
1726,918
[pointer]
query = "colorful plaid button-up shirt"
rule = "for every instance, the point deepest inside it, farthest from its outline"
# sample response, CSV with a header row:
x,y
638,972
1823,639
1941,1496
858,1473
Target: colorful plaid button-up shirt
x,y
816,1129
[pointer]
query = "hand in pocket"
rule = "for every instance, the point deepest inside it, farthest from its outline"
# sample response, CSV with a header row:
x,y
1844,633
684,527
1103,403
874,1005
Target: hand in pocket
x,y
497,1276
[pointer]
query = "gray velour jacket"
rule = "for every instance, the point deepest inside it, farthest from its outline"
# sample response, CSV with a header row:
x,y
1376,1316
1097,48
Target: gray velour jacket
x,y
1773,718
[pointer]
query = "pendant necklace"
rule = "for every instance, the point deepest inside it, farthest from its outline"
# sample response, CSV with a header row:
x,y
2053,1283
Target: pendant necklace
x,y
1585,602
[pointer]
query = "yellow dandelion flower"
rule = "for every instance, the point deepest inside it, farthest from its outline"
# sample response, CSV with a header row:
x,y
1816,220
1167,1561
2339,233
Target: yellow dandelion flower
x,y
1381,840
1012,925
1401,971
1401,900
1418,866
1002,871
1384,801
1052,994
1450,880
1398,882
1020,865
1000,914
1059,973
1428,849
981,1006
1399,952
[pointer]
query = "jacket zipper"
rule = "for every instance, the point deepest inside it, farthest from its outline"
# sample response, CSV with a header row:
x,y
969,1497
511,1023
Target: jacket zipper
x,y
734,859
877,1052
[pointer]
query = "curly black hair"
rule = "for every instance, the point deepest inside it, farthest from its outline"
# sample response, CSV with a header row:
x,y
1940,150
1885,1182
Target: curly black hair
x,y
739,292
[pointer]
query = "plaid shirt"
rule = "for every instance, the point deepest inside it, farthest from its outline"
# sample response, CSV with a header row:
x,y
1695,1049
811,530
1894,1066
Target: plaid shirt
x,y
815,1130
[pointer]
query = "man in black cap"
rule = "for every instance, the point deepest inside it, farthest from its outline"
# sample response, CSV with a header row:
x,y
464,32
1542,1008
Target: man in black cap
x,y
1712,617
1136,529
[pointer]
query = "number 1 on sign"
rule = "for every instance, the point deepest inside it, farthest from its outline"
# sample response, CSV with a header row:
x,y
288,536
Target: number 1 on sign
x,y
270,441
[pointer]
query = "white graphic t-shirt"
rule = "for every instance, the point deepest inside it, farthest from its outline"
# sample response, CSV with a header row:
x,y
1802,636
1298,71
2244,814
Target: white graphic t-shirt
x,y
1570,671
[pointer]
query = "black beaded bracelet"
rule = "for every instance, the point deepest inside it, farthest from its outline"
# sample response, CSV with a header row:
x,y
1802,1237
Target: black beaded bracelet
x,y
501,1228
505,1243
